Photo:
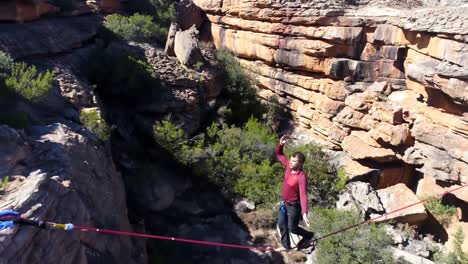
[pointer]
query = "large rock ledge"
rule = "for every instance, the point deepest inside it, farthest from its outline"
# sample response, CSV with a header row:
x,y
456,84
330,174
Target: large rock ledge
x,y
61,176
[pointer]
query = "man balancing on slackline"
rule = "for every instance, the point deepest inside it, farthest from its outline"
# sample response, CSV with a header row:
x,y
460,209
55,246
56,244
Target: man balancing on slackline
x,y
294,198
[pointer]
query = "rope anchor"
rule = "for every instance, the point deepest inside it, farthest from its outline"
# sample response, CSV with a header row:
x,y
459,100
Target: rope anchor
x,y
10,218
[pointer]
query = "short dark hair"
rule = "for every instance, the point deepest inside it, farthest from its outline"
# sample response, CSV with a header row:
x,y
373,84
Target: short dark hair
x,y
299,156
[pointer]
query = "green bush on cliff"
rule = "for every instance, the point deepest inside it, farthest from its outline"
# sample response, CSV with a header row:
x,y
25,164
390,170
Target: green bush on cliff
x,y
28,82
22,79
95,124
365,244
239,91
6,63
240,160
136,27
443,213
458,256
162,11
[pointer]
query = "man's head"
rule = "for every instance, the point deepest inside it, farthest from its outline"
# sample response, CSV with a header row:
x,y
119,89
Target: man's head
x,y
296,161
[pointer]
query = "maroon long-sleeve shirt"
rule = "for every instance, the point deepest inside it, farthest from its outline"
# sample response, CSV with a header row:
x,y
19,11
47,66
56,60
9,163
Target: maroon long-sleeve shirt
x,y
294,184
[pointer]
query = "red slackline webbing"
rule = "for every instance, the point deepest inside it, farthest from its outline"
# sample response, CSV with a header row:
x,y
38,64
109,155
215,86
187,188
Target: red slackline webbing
x,y
264,249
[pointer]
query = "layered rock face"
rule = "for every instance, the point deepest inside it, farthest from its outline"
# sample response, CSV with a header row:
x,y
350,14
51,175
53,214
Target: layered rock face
x,y
388,86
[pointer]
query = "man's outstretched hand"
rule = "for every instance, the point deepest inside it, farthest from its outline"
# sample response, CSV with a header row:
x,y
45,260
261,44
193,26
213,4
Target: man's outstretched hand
x,y
284,139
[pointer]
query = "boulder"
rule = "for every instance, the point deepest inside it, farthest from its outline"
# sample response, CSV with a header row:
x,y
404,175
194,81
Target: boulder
x,y
393,135
186,46
428,186
398,196
360,146
362,197
244,206
169,48
409,257
436,163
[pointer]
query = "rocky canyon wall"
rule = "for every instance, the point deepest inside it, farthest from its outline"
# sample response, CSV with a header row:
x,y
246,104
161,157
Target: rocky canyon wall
x,y
386,84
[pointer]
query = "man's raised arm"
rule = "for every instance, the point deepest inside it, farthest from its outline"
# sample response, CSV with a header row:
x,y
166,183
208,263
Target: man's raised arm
x,y
279,151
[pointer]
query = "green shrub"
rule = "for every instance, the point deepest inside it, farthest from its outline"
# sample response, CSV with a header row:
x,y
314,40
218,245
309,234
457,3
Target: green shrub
x,y
443,213
197,66
6,64
239,90
325,180
458,256
136,27
163,11
28,82
240,160
4,184
15,119
95,124
274,111
364,244
124,76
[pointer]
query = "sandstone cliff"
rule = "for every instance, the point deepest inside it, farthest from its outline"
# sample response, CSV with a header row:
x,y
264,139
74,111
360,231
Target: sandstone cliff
x,y
385,83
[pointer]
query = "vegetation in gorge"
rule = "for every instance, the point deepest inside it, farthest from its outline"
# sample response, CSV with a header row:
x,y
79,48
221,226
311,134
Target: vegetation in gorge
x,y
95,124
150,19
136,27
365,244
241,160
239,91
443,213
458,256
24,80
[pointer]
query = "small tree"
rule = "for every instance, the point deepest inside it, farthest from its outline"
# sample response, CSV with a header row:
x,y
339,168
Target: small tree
x,y
458,256
6,63
239,160
443,213
28,82
239,90
95,124
136,27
